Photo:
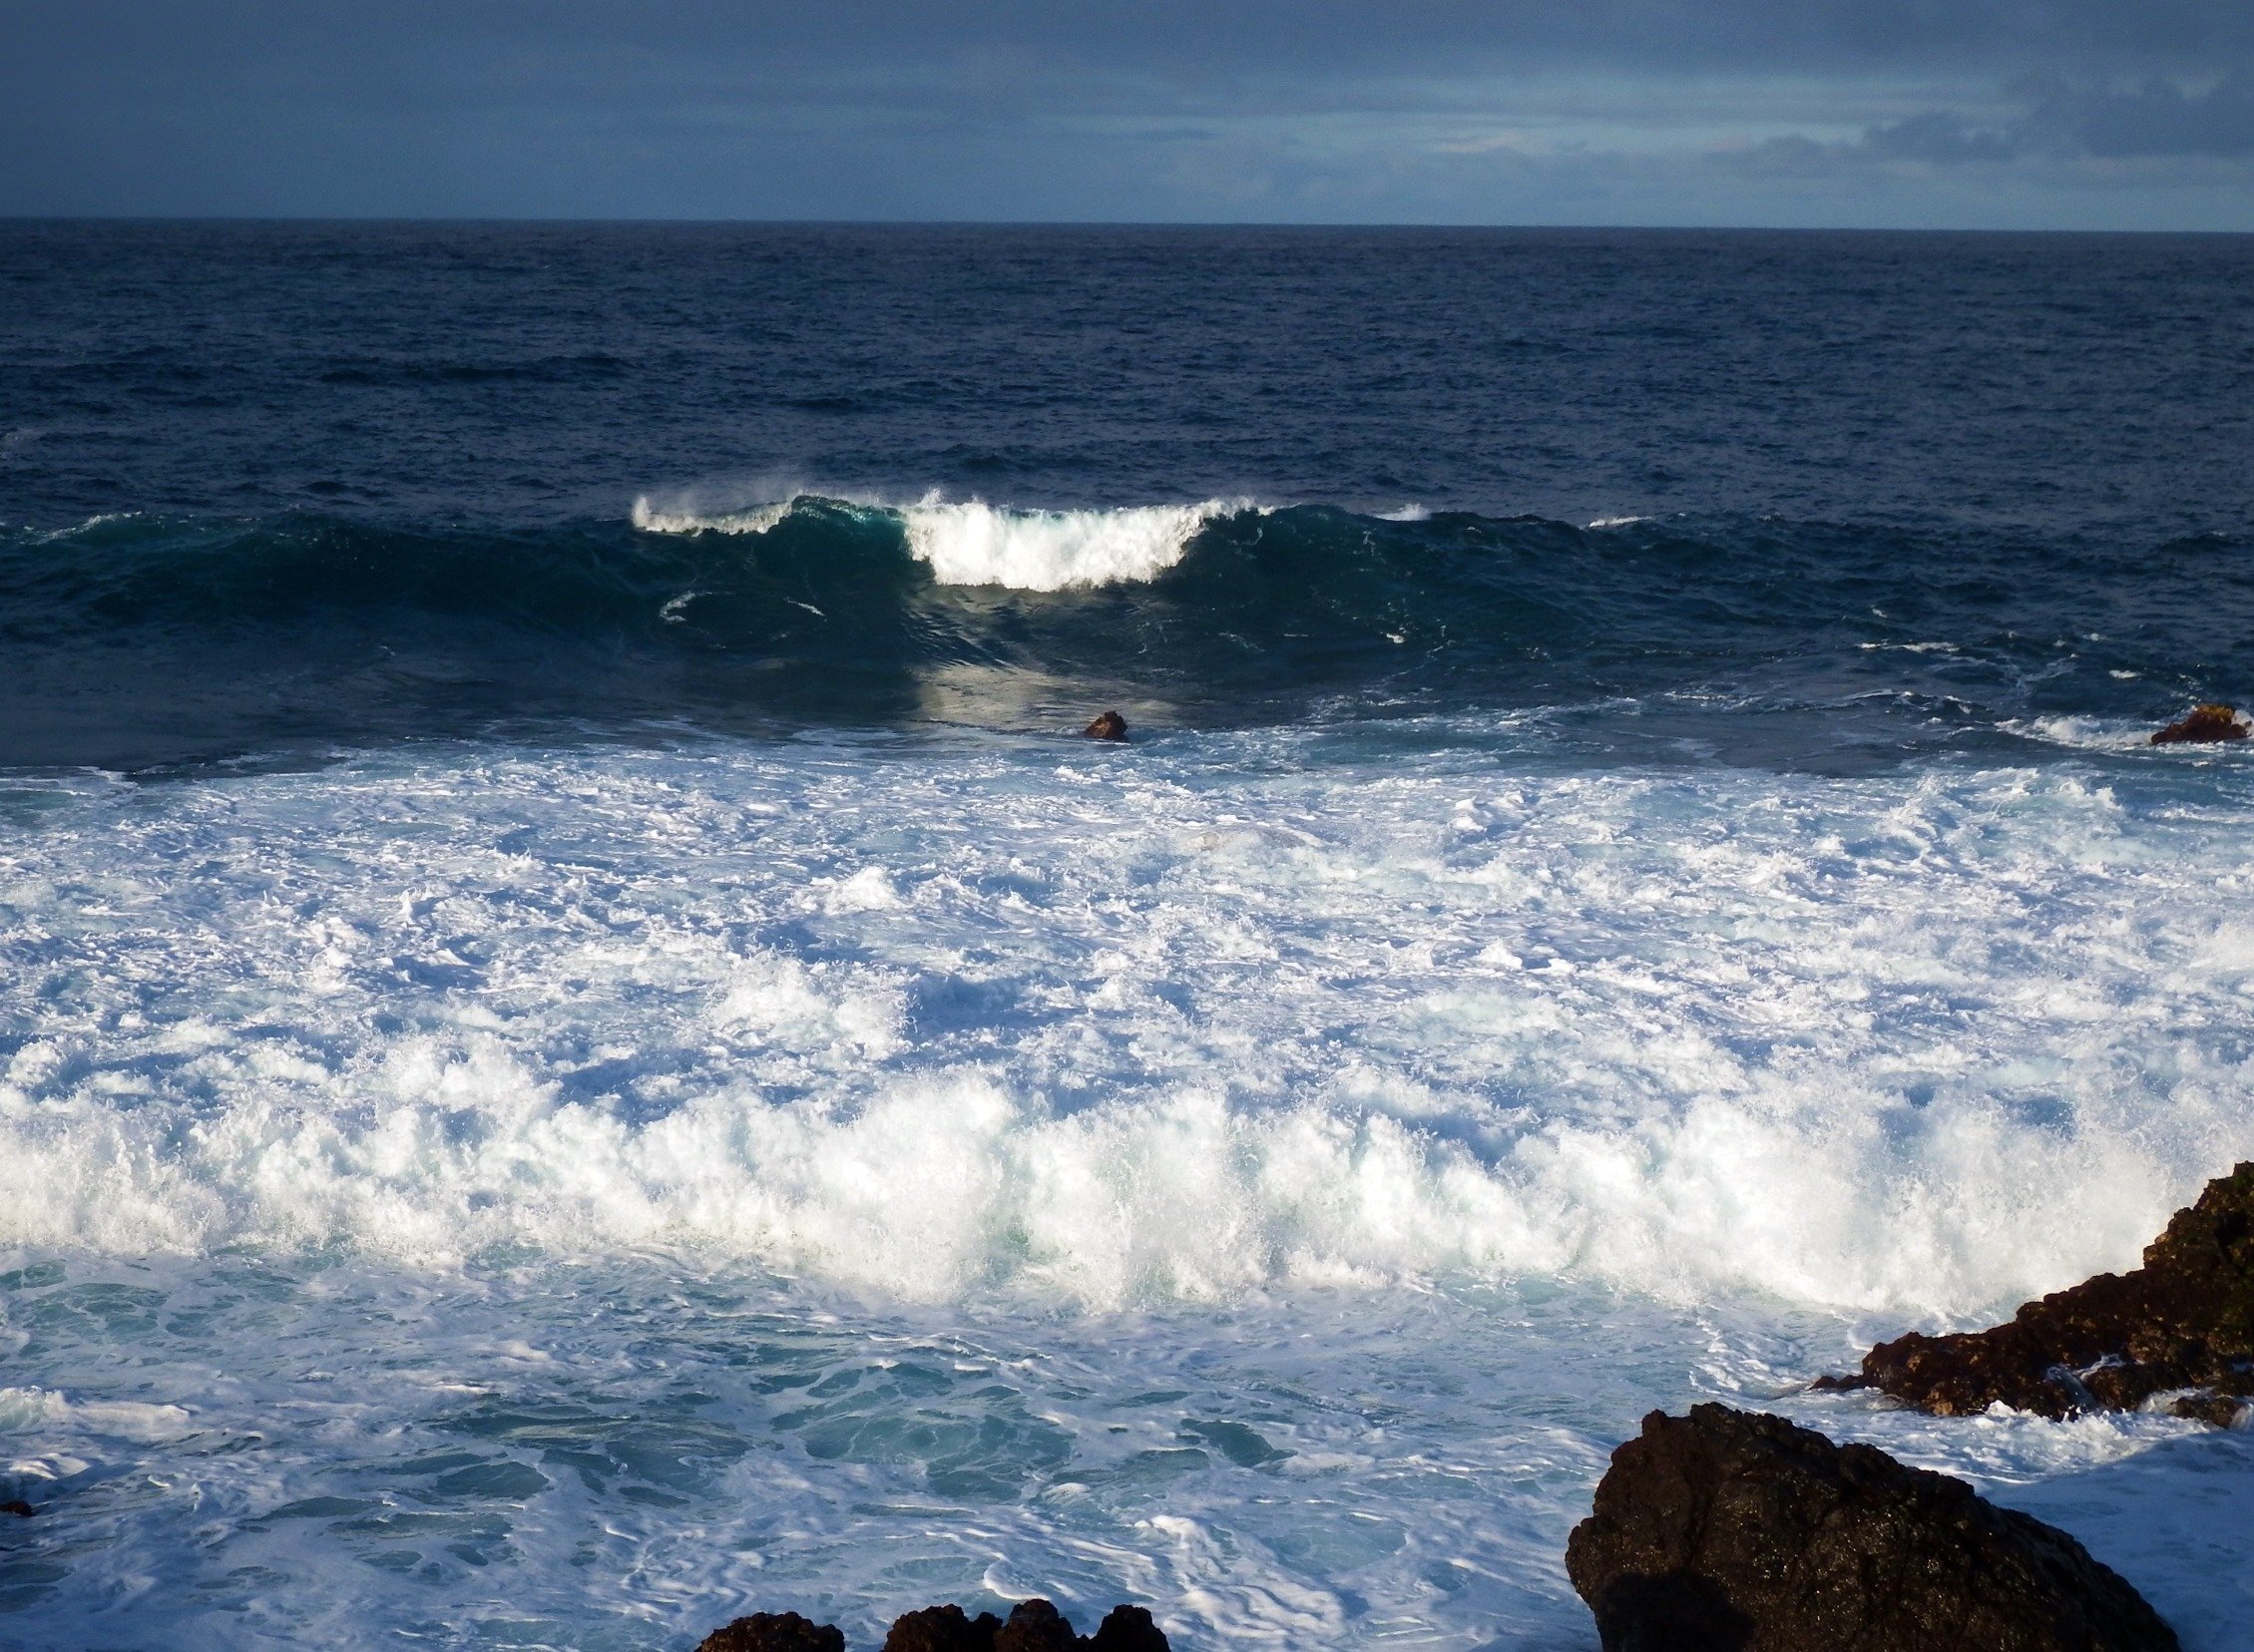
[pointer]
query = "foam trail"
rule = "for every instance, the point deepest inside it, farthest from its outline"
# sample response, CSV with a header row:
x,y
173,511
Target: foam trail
x,y
973,544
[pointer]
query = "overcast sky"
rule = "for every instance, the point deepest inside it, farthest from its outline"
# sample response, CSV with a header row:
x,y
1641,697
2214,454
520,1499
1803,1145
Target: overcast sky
x,y
2066,113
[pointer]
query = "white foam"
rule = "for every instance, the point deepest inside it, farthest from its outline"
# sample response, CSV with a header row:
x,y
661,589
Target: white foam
x,y
1917,1046
43,1411
649,518
973,544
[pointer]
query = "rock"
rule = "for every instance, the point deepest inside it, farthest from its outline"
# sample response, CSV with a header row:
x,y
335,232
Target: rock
x,y
774,1632
1036,1626
942,1629
2207,722
1731,1532
23,1510
2183,1321
1112,726
1127,1630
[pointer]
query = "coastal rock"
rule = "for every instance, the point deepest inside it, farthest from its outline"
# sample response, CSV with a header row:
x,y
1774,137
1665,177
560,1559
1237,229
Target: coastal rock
x,y
1127,1630
1731,1531
1034,1626
942,1629
774,1632
23,1510
1109,726
2177,1333
2207,722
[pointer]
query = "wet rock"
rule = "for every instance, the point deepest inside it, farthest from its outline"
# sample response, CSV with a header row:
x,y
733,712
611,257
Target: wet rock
x,y
2207,722
942,1629
2184,1321
1036,1626
1032,1626
23,1510
774,1632
1127,1630
1731,1532
1109,726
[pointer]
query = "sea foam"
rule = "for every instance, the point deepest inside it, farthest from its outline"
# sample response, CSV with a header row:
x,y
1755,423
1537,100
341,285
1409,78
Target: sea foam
x,y
935,1026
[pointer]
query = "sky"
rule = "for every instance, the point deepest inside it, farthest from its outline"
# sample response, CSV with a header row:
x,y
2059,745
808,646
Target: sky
x,y
1963,114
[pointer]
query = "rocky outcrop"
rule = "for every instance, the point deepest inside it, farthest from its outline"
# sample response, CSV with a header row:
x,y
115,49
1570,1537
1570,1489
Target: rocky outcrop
x,y
1109,726
774,1632
1032,1626
2207,722
18,1508
1729,1531
2177,1333
943,1629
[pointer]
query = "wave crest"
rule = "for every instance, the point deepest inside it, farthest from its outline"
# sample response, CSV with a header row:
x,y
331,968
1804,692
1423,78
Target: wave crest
x,y
971,543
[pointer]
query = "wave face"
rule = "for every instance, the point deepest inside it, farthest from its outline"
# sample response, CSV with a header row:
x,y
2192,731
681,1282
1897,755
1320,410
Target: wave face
x,y
1759,641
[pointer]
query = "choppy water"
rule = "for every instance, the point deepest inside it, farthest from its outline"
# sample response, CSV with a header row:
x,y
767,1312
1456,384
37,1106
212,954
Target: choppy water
x,y
581,1051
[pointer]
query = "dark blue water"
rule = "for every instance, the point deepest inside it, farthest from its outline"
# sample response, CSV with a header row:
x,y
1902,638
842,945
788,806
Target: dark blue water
x,y
283,488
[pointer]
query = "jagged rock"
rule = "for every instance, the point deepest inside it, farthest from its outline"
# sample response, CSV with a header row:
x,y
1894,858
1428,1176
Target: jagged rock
x,y
942,1629
2183,1321
1109,726
1127,1630
1034,1626
2207,722
774,1632
23,1510
1731,1532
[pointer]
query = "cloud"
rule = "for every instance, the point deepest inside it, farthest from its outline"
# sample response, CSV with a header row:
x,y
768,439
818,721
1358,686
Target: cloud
x,y
2158,118
1451,110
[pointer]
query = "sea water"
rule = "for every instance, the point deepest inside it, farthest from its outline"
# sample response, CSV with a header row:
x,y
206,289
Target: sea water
x,y
584,1049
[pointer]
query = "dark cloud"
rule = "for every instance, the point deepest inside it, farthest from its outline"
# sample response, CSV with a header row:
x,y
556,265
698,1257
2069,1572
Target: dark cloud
x,y
1095,109
2157,118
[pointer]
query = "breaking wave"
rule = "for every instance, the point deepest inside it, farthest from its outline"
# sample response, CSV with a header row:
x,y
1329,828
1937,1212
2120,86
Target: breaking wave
x,y
971,543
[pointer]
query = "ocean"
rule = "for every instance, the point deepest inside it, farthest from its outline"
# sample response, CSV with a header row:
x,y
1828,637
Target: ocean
x,y
584,1049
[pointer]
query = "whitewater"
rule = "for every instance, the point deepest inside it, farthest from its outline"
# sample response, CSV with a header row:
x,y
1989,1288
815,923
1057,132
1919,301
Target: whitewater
x,y
1138,1144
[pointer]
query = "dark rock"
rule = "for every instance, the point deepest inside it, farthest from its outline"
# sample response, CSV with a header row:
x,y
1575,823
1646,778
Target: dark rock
x,y
2184,1320
24,1510
1728,1531
2205,722
1127,1630
774,1632
1109,726
1036,1626
2219,1410
942,1629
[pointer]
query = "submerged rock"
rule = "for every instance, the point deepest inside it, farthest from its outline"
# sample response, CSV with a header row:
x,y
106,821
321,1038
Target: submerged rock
x,y
1032,1626
2207,722
1731,1531
1109,726
2177,1332
23,1510
774,1632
